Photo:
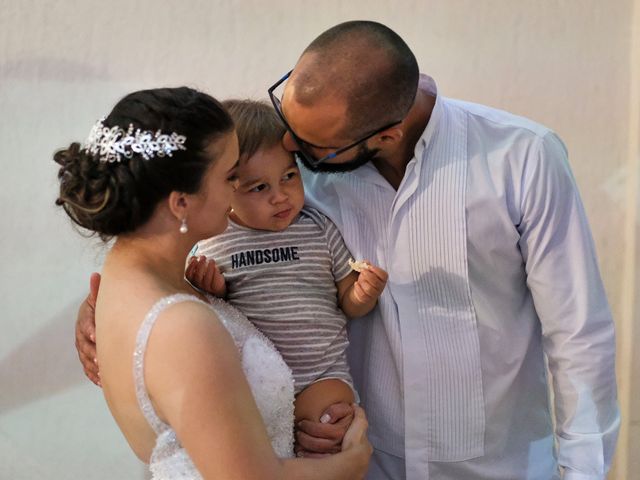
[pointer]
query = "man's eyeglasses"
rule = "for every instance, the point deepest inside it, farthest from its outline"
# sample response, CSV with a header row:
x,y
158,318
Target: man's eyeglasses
x,y
302,145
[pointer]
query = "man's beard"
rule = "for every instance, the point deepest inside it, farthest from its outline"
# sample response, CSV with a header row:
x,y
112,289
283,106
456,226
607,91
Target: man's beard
x,y
365,155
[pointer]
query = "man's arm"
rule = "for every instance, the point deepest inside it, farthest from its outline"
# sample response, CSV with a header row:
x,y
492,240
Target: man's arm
x,y
86,332
577,328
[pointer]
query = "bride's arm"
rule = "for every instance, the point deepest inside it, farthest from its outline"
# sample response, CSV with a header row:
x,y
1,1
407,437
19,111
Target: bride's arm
x,y
197,385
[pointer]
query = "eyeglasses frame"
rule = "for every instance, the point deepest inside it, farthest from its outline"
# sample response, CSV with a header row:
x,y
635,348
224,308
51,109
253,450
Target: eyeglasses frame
x,y
277,105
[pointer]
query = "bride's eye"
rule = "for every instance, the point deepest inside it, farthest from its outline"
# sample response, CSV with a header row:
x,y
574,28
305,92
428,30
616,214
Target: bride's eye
x,y
233,176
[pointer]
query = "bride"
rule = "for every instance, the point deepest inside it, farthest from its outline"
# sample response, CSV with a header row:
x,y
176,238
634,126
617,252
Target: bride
x,y
195,389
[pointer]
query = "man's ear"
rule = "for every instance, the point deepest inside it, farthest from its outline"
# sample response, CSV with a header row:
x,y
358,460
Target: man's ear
x,y
391,136
178,203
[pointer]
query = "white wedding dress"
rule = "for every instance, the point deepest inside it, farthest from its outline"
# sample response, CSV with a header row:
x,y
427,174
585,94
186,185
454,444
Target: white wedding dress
x,y
269,377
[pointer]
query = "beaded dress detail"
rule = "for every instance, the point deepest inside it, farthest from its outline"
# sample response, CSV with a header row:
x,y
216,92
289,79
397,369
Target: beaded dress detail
x,y
269,377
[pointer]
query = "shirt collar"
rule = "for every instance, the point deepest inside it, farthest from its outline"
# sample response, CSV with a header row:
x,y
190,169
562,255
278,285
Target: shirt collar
x,y
428,85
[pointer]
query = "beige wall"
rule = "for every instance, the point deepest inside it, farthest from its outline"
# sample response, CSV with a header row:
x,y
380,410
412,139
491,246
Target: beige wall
x,y
628,458
571,64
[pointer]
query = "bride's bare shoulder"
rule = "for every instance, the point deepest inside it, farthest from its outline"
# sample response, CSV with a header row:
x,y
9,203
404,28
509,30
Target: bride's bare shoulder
x,y
189,346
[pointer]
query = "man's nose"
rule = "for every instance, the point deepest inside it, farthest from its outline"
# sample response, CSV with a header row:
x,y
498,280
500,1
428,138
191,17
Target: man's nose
x,y
289,143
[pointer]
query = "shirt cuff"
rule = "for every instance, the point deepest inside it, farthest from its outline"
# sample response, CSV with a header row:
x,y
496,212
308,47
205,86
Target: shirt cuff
x,y
573,475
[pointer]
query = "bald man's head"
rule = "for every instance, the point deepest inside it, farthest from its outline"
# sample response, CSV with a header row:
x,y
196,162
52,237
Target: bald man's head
x,y
364,64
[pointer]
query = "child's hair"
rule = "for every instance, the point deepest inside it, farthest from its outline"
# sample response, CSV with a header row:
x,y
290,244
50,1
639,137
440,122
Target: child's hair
x,y
115,197
257,125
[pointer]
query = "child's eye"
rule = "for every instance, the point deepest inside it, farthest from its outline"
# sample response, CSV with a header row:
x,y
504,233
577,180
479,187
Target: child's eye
x,y
258,188
289,175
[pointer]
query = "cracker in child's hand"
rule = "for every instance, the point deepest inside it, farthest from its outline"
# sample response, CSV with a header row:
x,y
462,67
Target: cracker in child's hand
x,y
359,265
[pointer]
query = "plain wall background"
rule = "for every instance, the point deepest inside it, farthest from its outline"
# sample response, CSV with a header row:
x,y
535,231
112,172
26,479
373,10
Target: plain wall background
x,y
573,65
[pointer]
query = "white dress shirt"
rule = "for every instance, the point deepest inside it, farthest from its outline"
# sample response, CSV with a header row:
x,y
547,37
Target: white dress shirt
x,y
491,266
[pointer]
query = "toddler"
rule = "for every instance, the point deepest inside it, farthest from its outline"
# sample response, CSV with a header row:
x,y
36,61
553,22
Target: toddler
x,y
285,266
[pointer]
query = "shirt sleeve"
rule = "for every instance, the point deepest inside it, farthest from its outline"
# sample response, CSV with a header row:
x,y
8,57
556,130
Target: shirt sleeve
x,y
339,252
577,328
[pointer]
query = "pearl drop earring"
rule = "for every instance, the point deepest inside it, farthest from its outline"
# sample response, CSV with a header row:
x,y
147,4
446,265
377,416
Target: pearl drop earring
x,y
183,226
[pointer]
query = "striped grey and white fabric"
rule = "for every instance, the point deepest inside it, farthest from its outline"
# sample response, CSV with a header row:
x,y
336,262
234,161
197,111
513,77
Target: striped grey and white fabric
x,y
285,283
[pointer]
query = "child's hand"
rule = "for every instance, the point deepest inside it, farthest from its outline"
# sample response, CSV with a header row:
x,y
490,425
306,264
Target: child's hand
x,y
370,284
204,274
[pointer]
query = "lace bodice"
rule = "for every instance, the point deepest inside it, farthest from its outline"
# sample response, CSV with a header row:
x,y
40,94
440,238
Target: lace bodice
x,y
269,378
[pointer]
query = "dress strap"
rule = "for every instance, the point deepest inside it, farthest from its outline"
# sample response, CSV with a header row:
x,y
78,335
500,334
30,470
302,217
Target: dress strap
x,y
144,402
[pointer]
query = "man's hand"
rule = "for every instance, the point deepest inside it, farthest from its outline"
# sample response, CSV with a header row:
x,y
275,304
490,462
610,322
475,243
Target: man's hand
x,y
317,439
204,274
86,332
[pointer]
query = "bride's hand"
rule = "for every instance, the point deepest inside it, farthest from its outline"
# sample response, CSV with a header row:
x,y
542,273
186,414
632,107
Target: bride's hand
x,y
356,439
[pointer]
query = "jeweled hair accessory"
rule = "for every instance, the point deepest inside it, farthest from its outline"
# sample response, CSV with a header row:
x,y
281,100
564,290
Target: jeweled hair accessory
x,y
115,144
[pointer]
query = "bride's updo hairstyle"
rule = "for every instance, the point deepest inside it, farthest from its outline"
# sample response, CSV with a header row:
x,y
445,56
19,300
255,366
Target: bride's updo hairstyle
x,y
114,187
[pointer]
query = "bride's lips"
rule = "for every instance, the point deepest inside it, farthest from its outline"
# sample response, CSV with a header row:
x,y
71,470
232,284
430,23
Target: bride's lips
x,y
283,213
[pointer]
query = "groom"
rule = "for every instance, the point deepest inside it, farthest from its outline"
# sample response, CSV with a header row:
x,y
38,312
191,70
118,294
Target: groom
x,y
475,215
